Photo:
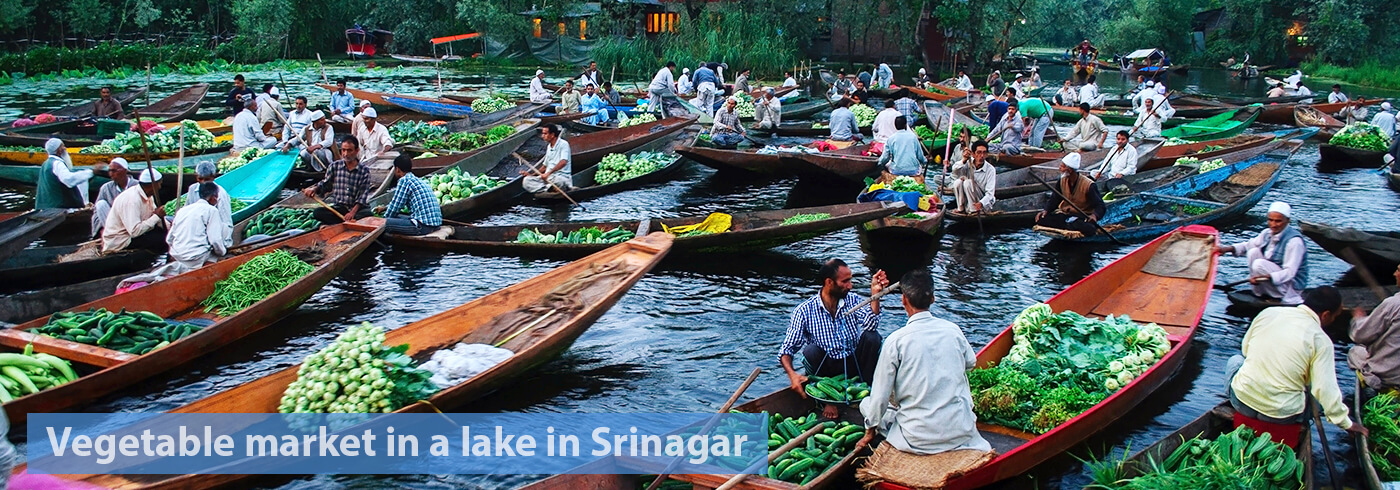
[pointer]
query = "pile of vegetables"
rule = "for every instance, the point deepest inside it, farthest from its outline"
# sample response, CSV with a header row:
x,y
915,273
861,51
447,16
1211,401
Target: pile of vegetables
x,y
231,162
1193,210
927,133
642,118
839,388
278,220
745,107
256,279
30,372
818,125
591,234
617,167
822,451
469,141
905,183
1174,141
26,149
1362,136
132,332
357,374
234,204
1203,166
805,218
1062,364
196,138
489,104
865,115
406,131
456,185
1380,416
1238,459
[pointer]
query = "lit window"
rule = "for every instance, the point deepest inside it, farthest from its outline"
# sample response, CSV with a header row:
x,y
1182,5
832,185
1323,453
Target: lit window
x,y
582,28
537,27
661,22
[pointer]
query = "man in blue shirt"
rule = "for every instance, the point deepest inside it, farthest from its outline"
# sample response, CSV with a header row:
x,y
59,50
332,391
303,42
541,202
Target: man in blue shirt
x,y
997,107
706,88
844,132
342,103
424,213
903,155
833,336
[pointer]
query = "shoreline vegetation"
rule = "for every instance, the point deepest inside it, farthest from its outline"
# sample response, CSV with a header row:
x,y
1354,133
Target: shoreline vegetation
x,y
1369,74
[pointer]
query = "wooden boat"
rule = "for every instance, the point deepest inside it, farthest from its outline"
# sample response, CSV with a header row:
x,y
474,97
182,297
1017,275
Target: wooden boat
x,y
847,164
17,231
563,118
1199,111
590,148
747,161
182,105
36,158
1393,179
1167,155
40,267
586,188
1067,114
1221,126
1308,116
1147,149
1121,288
259,183
638,93
479,321
476,122
935,92
84,109
804,110
905,225
804,130
105,371
524,130
1218,421
432,107
1027,198
1244,101
1276,112
755,230
372,96
1136,213
1084,69
1334,157
477,163
1378,250
1354,297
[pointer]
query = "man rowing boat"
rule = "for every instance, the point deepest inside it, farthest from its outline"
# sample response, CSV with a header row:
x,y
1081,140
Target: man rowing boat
x,y
1076,196
976,180
1278,257
1376,354
831,334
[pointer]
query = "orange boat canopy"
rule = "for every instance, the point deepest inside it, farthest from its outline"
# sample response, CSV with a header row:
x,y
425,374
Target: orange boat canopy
x,y
459,37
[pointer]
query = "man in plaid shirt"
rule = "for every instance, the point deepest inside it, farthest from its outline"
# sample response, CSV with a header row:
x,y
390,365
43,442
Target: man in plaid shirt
x,y
907,106
832,335
347,182
424,212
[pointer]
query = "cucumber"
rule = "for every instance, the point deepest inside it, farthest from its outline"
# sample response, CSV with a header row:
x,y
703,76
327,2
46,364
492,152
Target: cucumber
x,y
796,468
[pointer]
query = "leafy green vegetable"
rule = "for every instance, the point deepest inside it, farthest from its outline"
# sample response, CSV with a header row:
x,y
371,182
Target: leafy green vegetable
x,y
469,141
407,131
357,374
1237,459
591,234
805,218
865,115
489,104
196,138
617,167
1380,417
1362,136
642,118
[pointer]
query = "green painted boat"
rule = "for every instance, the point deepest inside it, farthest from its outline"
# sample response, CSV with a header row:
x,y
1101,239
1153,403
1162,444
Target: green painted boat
x,y
259,183
1223,126
1070,115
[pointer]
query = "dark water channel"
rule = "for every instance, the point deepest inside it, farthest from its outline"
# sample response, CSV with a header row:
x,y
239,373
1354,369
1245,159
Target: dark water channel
x,y
686,335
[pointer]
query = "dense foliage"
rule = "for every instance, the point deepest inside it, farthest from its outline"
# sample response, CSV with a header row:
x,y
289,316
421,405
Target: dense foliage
x,y
1381,417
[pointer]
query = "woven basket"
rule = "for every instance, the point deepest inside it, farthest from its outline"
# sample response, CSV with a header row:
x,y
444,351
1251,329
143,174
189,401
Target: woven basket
x,y
919,471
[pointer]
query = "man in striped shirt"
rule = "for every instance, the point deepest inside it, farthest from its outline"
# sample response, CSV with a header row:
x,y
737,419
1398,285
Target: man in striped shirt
x,y
833,336
424,214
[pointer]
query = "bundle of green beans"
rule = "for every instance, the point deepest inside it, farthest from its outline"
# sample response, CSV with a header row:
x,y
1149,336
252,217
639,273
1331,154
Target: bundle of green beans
x,y
132,332
805,217
31,372
256,279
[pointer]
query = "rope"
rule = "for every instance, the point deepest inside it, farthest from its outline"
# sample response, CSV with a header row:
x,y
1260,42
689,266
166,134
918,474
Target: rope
x,y
564,299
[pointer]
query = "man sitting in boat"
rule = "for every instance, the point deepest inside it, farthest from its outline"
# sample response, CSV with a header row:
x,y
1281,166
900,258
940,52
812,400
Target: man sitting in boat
x,y
883,127
558,164
569,99
727,130
199,234
270,112
920,400
342,103
861,95
135,221
610,95
903,154
205,173
1067,95
424,213
374,139
1009,130
1076,194
247,133
234,101
59,186
121,180
1121,160
684,84
1336,96
106,107
1385,120
975,183
788,80
1355,111
768,110
358,122
1089,93
538,94
1377,336
1303,90
348,184
996,109
923,79
297,121
1089,133
1277,91
1287,356
315,142
831,334
906,105
843,131
590,102
1087,52
964,82
1149,122
1278,257
996,84
589,77
741,84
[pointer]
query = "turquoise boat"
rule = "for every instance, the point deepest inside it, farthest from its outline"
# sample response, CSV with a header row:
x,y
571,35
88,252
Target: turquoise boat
x,y
1222,126
259,183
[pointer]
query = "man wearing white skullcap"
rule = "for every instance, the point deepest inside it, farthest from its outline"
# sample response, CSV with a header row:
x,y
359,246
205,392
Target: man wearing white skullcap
x,y
270,112
538,94
1385,119
1075,192
375,141
727,130
247,131
198,234
1278,259
135,221
317,141
121,180
60,186
684,84
206,172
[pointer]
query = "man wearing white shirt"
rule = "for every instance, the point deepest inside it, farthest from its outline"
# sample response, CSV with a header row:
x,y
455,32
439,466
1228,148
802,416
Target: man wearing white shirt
x,y
198,234
1149,122
1089,93
1278,257
684,85
788,80
135,221
205,173
557,164
1121,161
663,84
1385,120
297,120
883,127
317,140
538,94
374,138
964,83
1337,97
247,132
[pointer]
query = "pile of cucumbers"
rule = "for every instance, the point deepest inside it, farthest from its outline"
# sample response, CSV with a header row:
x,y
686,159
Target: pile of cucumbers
x,y
278,220
132,332
822,451
31,372
837,389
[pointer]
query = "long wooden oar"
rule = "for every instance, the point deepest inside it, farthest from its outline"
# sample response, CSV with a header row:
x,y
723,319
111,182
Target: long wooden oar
x,y
708,426
1231,286
1350,256
537,173
775,454
1087,216
874,297
1322,437
327,206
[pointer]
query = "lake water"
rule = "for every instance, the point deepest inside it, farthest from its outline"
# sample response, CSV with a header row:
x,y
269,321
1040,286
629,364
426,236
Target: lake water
x,y
687,334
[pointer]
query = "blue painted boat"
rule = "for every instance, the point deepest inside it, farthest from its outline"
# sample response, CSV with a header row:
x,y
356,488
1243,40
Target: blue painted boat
x,y
432,107
1150,214
259,183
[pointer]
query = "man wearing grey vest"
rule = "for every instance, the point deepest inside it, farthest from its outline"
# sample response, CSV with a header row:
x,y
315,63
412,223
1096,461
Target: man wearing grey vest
x,y
1278,258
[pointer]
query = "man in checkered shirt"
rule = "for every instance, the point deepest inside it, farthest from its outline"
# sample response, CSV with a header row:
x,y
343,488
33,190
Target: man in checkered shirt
x,y
348,184
424,213
832,335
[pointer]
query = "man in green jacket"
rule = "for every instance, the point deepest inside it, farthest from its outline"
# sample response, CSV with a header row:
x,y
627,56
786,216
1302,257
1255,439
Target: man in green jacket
x,y
1040,112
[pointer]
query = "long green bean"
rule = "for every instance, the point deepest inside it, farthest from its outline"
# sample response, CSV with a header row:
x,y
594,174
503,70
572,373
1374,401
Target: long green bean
x,y
256,279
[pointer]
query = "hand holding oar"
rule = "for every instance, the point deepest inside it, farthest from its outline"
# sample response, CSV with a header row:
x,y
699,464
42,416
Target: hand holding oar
x,y
328,207
708,426
539,174
1076,208
873,298
1350,255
